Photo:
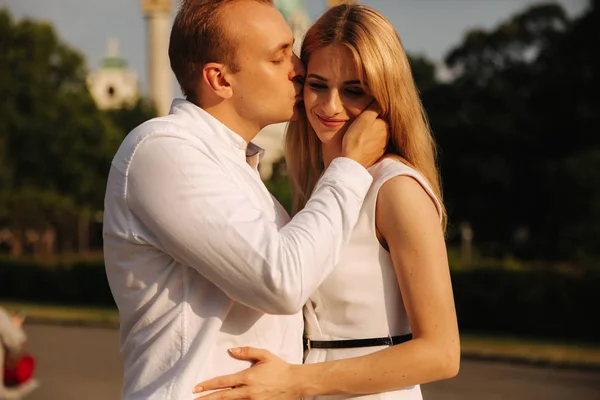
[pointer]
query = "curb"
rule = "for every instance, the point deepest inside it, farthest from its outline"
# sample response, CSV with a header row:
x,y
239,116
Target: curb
x,y
532,362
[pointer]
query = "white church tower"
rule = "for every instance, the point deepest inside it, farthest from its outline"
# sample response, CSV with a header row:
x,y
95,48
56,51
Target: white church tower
x,y
158,27
113,85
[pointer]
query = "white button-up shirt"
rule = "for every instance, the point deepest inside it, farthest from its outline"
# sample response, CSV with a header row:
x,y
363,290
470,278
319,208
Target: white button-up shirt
x,y
201,258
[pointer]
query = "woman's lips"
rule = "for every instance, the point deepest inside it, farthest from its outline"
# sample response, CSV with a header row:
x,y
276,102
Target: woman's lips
x,y
331,123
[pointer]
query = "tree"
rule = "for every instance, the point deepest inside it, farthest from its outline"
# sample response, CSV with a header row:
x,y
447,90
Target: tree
x,y
129,117
423,71
55,145
517,134
565,101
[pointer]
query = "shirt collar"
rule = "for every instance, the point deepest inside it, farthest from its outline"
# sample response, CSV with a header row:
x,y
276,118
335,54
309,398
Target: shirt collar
x,y
218,129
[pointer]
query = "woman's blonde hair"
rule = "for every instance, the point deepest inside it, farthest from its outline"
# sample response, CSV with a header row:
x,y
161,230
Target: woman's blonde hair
x,y
383,65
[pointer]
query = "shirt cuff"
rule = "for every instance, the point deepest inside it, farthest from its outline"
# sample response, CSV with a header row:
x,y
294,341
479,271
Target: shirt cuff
x,y
349,173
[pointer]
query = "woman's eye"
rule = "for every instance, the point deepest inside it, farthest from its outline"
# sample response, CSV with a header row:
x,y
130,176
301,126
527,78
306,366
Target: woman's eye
x,y
317,86
355,92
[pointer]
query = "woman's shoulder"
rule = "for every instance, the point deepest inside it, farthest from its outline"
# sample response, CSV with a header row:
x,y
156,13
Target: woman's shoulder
x,y
392,167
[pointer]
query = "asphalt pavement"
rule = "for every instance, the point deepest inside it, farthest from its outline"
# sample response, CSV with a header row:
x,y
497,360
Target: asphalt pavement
x,y
77,363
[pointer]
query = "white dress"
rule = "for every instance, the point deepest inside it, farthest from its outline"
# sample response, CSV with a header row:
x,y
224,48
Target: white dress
x,y
361,298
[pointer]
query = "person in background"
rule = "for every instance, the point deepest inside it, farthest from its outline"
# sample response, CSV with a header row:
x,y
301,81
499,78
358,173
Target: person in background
x,y
15,364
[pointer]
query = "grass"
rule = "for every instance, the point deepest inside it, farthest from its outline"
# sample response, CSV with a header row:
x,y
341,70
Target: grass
x,y
474,346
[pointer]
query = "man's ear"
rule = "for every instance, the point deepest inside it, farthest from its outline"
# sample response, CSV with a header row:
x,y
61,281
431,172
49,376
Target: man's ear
x,y
216,77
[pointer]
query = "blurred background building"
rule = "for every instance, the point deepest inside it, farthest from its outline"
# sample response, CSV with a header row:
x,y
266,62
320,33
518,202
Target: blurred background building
x,y
113,85
158,27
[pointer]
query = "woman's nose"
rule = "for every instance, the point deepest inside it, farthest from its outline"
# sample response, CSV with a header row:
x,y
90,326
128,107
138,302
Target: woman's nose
x,y
332,104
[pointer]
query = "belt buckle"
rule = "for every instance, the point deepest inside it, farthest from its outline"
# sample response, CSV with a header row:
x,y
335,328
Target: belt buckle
x,y
390,341
308,347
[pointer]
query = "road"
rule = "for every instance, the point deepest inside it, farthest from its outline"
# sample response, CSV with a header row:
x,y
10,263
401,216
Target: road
x,y
84,363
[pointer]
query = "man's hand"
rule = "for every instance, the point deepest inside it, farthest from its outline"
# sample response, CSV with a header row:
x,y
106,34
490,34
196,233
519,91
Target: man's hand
x,y
366,138
269,378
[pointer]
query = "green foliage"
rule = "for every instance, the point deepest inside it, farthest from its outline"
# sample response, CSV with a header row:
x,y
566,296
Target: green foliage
x,y
55,143
423,72
128,118
83,283
38,208
513,43
280,186
543,304
517,131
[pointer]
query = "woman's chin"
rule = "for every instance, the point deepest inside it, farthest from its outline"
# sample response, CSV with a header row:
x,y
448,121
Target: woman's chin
x,y
330,137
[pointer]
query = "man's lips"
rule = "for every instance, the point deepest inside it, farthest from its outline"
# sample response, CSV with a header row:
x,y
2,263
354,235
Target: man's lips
x,y
331,123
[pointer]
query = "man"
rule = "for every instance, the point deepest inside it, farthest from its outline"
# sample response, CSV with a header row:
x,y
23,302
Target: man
x,y
199,255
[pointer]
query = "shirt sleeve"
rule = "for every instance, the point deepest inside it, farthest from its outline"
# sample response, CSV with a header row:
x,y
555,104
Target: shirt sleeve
x,y
204,219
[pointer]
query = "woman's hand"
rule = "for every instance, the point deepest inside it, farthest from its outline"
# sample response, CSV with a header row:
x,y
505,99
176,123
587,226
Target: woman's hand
x,y
269,378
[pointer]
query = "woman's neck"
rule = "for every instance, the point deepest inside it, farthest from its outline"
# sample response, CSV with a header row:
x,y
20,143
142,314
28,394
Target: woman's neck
x,y
330,151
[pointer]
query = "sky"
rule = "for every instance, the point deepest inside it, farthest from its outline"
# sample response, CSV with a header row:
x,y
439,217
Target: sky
x,y
428,27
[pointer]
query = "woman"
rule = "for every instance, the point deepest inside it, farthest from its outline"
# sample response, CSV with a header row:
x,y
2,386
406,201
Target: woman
x,y
384,321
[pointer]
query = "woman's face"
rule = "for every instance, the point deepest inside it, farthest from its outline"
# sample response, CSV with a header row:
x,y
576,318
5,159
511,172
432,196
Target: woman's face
x,y
333,93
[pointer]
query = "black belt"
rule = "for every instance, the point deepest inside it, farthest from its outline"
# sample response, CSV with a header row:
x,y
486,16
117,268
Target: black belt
x,y
346,344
